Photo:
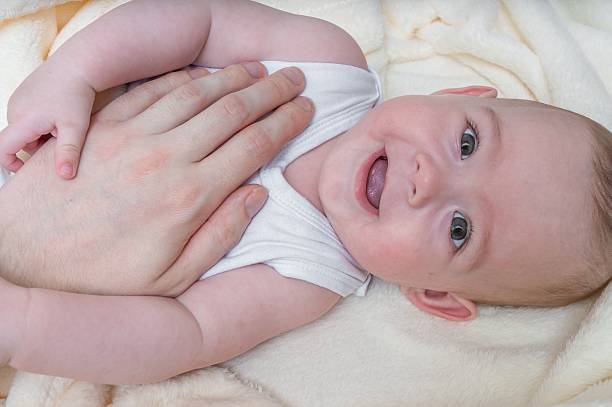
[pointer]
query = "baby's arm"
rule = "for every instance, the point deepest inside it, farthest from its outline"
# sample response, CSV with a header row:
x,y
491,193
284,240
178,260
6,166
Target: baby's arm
x,y
144,38
143,339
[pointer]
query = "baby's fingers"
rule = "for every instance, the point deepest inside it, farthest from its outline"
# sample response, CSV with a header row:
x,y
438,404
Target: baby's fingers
x,y
33,147
70,140
12,139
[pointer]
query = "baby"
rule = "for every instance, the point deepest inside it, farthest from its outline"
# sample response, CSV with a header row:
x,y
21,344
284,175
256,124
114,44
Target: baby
x,y
458,197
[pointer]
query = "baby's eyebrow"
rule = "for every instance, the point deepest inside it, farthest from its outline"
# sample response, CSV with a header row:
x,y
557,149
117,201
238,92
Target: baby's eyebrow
x,y
497,128
486,209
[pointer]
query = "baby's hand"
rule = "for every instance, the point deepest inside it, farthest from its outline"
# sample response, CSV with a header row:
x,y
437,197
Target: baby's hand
x,y
50,101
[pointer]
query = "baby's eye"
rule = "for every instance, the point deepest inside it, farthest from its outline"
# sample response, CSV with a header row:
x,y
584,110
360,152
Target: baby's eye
x,y
459,229
469,143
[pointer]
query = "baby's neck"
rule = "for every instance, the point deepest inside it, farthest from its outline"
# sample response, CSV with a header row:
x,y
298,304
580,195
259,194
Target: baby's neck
x,y
303,174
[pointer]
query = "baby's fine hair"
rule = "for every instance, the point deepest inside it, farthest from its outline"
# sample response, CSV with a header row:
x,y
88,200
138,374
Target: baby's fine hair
x,y
598,255
601,256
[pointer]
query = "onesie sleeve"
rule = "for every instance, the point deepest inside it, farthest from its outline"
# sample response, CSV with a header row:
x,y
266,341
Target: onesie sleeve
x,y
338,281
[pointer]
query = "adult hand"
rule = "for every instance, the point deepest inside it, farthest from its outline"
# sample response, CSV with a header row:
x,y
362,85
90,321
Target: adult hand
x,y
141,217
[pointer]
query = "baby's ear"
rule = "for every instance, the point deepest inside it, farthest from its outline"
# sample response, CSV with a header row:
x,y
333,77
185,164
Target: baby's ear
x,y
442,304
478,91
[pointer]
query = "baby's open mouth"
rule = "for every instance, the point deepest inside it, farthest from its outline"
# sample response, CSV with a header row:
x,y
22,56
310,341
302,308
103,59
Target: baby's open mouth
x,y
376,181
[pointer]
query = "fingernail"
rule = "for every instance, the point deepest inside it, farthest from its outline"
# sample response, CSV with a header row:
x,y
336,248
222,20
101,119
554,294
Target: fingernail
x,y
304,103
66,170
256,200
294,75
255,69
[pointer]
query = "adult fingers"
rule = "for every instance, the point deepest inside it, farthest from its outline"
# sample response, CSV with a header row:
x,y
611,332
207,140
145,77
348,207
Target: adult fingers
x,y
138,99
191,98
242,155
214,238
206,131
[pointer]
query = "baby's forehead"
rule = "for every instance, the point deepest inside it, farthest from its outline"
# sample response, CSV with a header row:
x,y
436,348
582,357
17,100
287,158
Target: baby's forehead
x,y
524,105
512,106
539,194
547,118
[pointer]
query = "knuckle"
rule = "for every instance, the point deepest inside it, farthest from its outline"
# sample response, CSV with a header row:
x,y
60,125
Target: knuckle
x,y
279,86
69,149
176,79
147,89
235,107
172,80
225,235
195,72
259,141
293,115
124,101
288,120
237,75
189,92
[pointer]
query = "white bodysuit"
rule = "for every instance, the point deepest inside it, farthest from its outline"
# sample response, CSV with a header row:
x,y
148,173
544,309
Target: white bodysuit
x,y
289,234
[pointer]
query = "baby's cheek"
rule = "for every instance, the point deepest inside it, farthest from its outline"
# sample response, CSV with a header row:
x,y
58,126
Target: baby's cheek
x,y
386,257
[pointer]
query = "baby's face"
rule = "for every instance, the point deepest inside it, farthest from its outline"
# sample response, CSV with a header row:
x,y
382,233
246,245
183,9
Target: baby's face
x,y
480,197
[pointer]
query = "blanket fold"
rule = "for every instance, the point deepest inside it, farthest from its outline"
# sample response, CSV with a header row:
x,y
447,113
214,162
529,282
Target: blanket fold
x,y
379,350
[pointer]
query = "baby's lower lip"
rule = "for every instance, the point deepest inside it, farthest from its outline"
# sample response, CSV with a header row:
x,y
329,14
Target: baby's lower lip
x,y
361,182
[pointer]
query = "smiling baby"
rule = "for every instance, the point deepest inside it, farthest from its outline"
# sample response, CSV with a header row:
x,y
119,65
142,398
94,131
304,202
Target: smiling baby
x,y
458,198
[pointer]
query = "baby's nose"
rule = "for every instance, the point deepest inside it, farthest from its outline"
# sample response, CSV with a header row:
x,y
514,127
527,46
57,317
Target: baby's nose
x,y
425,181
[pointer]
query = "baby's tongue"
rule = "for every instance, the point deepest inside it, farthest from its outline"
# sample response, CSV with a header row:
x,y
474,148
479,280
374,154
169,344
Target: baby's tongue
x,y
376,181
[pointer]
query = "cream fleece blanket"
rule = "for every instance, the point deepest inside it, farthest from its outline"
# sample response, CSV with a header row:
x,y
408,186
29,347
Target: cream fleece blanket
x,y
379,350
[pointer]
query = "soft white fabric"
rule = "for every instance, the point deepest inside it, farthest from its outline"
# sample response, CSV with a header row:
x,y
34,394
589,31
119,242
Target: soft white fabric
x,y
10,9
289,234
378,350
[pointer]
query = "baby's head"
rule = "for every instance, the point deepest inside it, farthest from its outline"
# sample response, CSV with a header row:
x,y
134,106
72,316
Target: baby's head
x,y
462,198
